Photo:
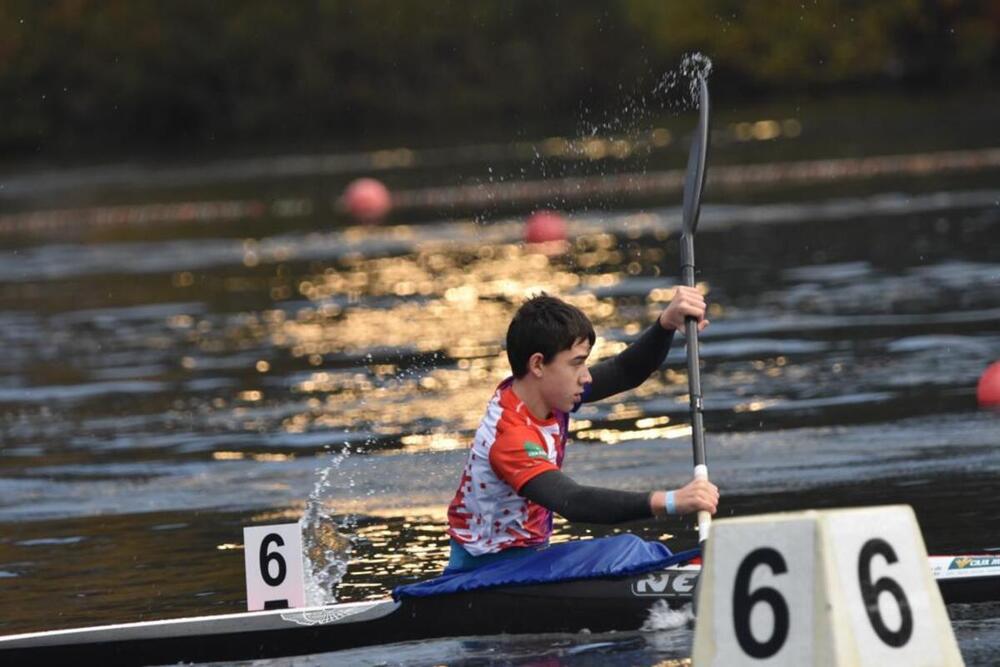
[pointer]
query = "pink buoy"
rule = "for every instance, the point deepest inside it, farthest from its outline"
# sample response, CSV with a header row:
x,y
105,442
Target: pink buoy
x,y
366,200
988,389
545,226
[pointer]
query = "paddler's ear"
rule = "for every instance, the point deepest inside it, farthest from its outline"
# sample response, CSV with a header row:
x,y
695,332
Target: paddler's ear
x,y
535,364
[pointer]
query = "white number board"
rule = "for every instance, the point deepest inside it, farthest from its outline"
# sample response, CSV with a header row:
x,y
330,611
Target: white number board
x,y
273,558
836,587
885,581
764,611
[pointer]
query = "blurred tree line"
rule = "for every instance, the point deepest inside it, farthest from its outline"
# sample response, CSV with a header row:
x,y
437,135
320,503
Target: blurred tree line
x,y
82,74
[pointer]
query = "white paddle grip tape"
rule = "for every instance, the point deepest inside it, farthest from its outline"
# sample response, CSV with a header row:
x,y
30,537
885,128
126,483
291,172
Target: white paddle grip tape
x,y
704,524
704,518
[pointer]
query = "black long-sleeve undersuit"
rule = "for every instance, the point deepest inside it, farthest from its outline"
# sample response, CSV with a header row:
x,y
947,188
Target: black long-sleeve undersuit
x,y
590,504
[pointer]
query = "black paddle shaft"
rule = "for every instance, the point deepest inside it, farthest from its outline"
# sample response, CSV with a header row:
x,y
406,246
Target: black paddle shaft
x,y
693,360
694,184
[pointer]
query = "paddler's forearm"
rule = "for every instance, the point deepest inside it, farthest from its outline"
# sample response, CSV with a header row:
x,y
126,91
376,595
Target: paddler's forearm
x,y
587,504
630,368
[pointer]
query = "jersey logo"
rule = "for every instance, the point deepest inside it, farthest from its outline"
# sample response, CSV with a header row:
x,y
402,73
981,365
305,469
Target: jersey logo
x,y
534,450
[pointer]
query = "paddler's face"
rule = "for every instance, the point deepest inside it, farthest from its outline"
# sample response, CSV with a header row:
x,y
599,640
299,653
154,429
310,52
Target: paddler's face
x,y
563,378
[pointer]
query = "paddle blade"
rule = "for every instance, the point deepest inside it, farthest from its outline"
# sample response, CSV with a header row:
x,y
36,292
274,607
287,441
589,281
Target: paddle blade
x,y
694,181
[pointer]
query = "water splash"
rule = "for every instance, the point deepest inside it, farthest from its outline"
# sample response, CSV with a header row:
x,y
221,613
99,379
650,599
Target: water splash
x,y
693,66
676,91
327,539
662,617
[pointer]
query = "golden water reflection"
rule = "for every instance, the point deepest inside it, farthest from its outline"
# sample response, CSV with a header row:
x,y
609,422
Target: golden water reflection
x,y
422,334
404,345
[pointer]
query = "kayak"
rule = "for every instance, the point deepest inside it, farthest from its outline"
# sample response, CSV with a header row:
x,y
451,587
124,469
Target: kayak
x,y
596,605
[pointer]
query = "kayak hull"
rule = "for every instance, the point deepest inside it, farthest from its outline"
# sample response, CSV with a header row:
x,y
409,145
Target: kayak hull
x,y
596,605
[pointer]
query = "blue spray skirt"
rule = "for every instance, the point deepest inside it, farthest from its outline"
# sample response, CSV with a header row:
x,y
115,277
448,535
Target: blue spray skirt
x,y
617,556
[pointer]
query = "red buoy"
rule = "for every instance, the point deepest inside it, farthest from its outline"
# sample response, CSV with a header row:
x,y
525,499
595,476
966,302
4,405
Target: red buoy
x,y
988,390
366,200
545,226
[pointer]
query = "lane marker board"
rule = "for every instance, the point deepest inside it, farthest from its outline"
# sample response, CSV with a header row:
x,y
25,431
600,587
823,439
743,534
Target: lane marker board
x,y
832,587
274,570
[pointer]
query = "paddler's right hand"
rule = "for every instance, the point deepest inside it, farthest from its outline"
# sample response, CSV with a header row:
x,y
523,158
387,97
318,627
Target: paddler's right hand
x,y
695,496
687,302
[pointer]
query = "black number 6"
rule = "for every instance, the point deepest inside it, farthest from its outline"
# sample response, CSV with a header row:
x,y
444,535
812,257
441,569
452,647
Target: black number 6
x,y
870,593
266,559
743,604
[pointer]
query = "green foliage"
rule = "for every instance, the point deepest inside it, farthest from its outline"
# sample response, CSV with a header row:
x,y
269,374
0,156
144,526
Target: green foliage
x,y
136,73
805,42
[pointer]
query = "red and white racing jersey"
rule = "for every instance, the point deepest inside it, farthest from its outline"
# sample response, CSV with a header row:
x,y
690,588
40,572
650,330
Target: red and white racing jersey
x,y
510,448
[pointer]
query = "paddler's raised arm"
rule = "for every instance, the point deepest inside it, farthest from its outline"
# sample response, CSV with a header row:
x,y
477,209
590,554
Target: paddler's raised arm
x,y
633,365
557,492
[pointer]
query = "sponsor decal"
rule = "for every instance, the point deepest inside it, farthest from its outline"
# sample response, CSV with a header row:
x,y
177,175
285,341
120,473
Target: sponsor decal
x,y
327,615
534,450
665,584
973,562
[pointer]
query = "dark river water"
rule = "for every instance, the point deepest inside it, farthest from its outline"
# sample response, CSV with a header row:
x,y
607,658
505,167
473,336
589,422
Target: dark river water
x,y
162,389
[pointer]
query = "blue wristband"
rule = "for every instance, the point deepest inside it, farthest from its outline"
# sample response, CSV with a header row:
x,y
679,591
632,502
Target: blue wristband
x,y
671,508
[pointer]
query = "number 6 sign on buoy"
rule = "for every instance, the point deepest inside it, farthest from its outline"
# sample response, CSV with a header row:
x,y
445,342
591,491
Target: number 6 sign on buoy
x,y
836,587
273,558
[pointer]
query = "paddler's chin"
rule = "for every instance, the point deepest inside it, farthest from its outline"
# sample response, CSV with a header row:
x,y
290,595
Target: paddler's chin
x,y
566,404
560,401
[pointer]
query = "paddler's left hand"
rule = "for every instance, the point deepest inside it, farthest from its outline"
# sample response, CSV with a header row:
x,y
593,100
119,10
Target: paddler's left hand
x,y
687,301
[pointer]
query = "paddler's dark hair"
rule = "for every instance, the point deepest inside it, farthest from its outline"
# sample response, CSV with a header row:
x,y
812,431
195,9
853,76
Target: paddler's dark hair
x,y
544,324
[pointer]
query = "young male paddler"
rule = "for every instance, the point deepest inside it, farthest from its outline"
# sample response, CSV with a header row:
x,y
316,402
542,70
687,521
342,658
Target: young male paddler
x,y
512,482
